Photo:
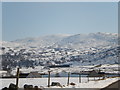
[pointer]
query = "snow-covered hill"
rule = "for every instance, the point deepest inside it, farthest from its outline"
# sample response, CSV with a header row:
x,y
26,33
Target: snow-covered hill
x,y
42,41
79,49
71,41
89,40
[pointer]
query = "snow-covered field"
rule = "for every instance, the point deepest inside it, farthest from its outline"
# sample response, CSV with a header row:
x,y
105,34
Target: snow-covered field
x,y
63,81
107,68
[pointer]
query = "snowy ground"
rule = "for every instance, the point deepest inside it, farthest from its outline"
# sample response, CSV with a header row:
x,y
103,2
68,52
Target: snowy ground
x,y
63,81
106,68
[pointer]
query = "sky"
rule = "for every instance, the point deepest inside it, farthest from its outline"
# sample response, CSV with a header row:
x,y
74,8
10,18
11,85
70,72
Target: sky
x,y
34,19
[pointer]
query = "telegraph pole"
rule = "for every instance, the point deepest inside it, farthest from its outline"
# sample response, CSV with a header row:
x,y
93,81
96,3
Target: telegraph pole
x,y
49,78
80,77
17,78
68,78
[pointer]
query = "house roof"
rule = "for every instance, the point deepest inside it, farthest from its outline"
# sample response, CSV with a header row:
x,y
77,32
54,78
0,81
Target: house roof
x,y
94,74
34,75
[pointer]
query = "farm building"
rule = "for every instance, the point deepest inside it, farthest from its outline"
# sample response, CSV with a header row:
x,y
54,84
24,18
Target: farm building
x,y
95,74
34,75
23,75
3,73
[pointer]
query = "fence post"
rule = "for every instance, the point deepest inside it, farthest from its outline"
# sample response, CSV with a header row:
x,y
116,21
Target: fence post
x,y
88,78
79,77
68,78
49,78
17,78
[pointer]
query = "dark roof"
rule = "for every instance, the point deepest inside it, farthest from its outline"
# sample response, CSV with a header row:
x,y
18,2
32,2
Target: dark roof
x,y
34,75
95,74
23,75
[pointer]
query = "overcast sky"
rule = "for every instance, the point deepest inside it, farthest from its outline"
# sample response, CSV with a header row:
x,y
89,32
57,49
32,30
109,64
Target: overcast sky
x,y
21,20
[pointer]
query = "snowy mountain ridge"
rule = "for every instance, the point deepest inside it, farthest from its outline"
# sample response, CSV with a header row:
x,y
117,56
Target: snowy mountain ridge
x,y
78,49
71,41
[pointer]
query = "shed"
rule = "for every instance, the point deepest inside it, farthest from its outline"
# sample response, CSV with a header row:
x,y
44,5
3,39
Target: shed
x,y
95,74
23,75
34,75
3,73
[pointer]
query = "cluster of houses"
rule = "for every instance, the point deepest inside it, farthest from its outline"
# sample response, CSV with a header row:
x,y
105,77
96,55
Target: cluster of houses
x,y
35,74
4,74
